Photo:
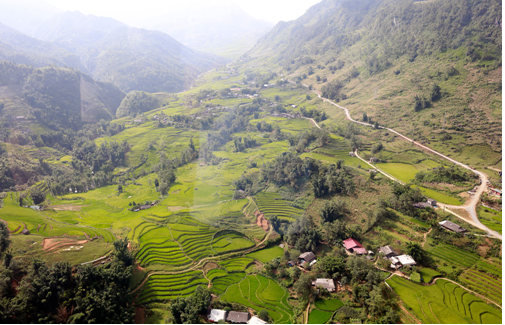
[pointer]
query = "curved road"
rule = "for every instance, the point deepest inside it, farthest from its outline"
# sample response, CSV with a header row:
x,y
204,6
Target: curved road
x,y
470,207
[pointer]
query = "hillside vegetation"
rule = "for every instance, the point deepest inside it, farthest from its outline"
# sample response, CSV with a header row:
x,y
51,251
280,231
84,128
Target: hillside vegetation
x,y
431,70
136,102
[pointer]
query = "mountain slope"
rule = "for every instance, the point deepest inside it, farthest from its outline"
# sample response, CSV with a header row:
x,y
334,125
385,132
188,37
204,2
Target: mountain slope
x,y
56,97
131,58
225,30
26,15
75,31
432,69
138,59
20,48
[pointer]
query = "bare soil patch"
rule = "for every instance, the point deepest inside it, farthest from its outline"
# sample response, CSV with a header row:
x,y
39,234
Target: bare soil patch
x,y
262,222
463,213
66,207
140,315
210,266
52,244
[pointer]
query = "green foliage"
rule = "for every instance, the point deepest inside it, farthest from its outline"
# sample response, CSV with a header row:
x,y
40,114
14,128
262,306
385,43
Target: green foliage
x,y
186,310
332,266
415,277
136,102
38,196
450,174
4,237
123,253
333,210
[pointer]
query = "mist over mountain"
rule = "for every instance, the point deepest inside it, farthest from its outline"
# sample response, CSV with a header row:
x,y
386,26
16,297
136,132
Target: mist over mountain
x,y
225,30
26,15
23,49
131,58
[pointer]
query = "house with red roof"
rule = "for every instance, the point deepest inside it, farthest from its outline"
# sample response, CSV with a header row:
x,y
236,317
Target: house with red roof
x,y
353,246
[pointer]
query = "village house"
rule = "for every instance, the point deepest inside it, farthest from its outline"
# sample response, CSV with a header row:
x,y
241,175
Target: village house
x,y
495,191
447,225
306,257
354,247
388,251
237,317
328,284
428,204
352,154
216,315
373,159
144,207
402,260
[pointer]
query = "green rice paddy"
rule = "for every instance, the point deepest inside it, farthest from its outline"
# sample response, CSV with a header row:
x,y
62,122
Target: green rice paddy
x,y
445,303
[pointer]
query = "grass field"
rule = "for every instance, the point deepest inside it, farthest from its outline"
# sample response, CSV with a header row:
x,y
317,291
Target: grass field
x,y
258,292
329,304
427,274
444,303
162,287
267,254
484,278
454,255
319,316
490,218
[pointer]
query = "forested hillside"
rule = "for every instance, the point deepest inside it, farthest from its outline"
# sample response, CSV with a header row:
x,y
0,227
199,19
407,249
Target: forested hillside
x,y
431,69
130,58
23,49
59,98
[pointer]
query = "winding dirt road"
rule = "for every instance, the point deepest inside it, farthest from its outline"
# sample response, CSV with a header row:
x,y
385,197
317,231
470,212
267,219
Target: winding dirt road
x,y
470,207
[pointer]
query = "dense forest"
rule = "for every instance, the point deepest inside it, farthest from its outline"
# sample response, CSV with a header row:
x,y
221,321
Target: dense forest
x,y
136,102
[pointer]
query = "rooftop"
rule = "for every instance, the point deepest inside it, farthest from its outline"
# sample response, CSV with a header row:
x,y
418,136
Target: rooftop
x,y
452,226
403,260
307,256
328,284
388,250
351,243
216,315
256,320
237,317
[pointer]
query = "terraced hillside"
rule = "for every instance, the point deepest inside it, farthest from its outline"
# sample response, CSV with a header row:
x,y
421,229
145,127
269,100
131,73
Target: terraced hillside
x,y
444,302
272,204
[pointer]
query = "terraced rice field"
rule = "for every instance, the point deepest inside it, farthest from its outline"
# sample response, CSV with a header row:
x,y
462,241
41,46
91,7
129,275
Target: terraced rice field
x,y
267,254
483,283
221,282
181,244
272,204
444,302
161,287
258,292
454,255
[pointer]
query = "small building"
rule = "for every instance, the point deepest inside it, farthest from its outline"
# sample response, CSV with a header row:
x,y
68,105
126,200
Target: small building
x,y
451,226
402,260
495,191
372,171
25,232
234,89
432,203
256,320
328,284
422,205
20,117
373,159
388,251
35,207
306,257
352,154
144,207
294,106
216,315
237,317
291,263
354,246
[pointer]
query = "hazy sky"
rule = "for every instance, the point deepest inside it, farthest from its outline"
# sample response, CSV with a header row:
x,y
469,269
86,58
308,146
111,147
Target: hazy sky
x,y
130,11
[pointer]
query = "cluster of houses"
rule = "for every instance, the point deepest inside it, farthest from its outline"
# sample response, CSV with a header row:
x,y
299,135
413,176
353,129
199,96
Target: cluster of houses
x,y
397,261
285,115
234,317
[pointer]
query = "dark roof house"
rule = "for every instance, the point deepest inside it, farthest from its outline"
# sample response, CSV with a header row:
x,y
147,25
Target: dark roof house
x,y
306,257
446,224
144,207
237,317
388,251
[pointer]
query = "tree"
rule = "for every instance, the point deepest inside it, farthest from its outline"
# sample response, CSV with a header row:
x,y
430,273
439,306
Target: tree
x,y
264,315
331,266
303,287
4,237
307,96
37,195
333,210
119,188
416,251
122,252
186,310
365,117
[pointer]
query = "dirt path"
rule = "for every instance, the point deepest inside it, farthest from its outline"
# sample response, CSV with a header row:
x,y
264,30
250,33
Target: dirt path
x,y
307,313
426,236
470,207
203,260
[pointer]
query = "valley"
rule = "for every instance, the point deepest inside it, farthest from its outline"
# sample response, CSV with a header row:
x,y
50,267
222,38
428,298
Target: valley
x,y
326,175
